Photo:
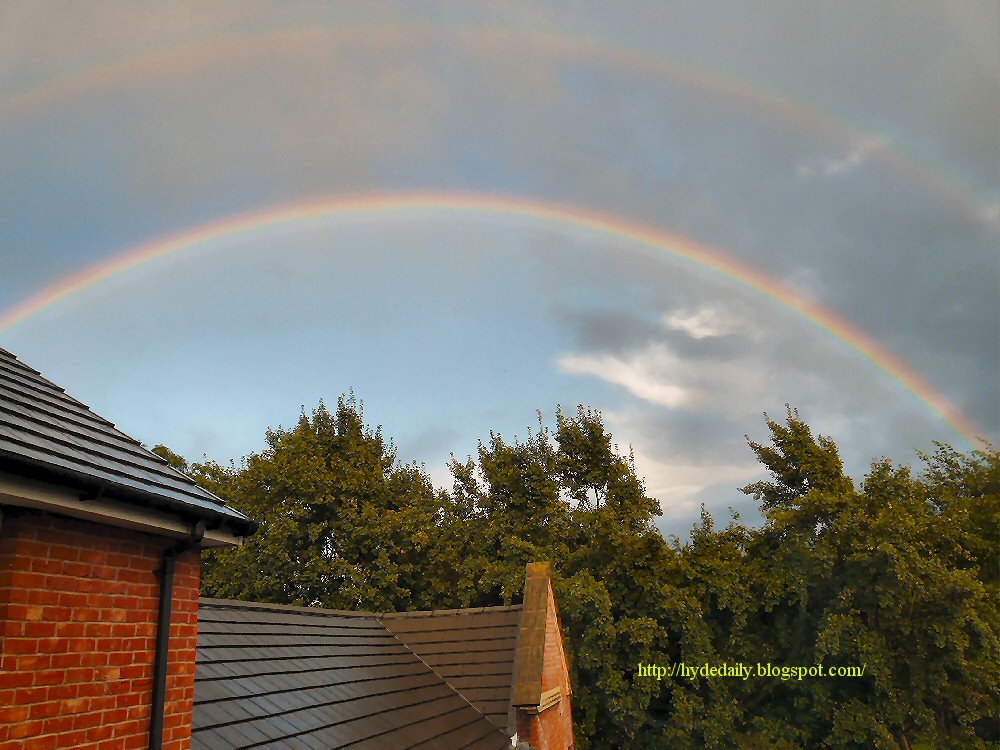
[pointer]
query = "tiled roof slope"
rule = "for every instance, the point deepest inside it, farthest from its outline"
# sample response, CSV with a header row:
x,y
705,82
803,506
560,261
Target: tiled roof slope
x,y
473,650
43,428
290,677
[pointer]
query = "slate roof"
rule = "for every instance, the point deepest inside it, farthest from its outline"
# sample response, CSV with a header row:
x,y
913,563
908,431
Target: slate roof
x,y
473,650
45,431
312,679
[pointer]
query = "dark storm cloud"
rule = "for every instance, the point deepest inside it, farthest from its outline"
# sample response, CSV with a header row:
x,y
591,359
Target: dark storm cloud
x,y
619,331
604,330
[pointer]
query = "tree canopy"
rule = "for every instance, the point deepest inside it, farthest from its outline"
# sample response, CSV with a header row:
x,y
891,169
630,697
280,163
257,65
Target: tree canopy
x,y
343,525
898,574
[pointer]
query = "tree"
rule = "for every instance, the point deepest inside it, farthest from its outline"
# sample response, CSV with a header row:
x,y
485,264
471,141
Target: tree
x,y
175,460
342,525
889,577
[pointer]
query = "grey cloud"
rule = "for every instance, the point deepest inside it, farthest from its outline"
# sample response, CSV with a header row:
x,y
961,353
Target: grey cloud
x,y
608,330
619,331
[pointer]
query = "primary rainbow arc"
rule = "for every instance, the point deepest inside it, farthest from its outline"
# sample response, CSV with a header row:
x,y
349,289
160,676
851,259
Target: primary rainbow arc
x,y
425,205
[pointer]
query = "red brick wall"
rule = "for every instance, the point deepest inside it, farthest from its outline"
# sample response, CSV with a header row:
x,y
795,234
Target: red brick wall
x,y
78,606
552,729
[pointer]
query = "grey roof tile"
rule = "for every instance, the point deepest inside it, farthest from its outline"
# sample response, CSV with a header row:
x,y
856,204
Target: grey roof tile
x,y
473,650
212,740
293,677
43,430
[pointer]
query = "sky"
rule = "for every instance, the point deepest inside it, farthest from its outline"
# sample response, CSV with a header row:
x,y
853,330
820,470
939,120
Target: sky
x,y
682,214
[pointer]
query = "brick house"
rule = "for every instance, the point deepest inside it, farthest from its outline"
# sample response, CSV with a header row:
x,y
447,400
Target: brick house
x,y
104,642
99,563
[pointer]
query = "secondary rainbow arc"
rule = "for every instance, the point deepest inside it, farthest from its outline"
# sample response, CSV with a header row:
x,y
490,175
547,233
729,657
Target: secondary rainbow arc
x,y
564,217
232,47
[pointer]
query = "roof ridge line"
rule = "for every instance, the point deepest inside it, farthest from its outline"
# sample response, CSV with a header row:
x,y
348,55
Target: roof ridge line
x,y
326,612
265,606
439,612
443,679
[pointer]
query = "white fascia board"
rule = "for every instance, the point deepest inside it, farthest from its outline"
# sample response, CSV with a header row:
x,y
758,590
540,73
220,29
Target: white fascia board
x,y
28,493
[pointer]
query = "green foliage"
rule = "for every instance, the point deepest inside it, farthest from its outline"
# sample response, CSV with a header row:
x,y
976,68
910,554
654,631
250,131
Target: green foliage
x,y
799,464
895,577
171,458
899,574
342,525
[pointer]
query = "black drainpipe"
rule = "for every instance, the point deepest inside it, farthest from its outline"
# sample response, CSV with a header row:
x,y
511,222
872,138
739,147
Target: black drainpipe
x,y
166,576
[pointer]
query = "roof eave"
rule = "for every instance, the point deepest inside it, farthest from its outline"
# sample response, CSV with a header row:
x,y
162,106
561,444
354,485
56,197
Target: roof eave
x,y
37,485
